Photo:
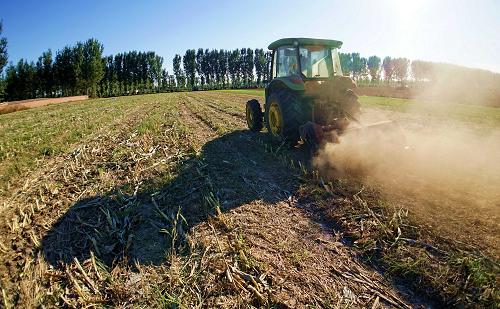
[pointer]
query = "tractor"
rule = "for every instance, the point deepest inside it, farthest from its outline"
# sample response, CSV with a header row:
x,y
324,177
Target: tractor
x,y
308,97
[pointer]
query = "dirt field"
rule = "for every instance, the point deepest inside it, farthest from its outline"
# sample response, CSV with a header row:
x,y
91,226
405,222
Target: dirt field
x,y
8,107
166,200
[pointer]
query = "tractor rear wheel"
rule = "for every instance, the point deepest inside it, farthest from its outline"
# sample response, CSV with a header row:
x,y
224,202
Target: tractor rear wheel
x,y
254,116
285,113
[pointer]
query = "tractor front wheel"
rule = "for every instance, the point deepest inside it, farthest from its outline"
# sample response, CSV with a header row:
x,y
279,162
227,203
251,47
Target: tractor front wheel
x,y
254,116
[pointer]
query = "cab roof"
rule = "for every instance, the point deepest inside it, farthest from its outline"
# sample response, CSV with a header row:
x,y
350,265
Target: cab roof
x,y
304,41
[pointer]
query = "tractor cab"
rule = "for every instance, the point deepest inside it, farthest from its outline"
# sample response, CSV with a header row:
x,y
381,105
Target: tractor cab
x,y
309,59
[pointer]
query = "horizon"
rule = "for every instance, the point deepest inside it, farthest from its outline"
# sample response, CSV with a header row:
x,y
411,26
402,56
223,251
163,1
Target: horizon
x,y
171,28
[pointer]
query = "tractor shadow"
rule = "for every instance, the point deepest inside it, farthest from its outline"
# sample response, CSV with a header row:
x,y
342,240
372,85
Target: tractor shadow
x,y
145,225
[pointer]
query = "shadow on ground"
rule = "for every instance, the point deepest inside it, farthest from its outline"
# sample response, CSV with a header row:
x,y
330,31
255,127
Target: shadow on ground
x,y
144,226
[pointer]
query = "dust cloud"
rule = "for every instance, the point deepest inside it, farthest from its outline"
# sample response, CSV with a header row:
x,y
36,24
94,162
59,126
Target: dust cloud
x,y
450,84
452,166
438,155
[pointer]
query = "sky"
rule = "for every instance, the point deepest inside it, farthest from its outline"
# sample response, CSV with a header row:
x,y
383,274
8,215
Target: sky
x,y
453,31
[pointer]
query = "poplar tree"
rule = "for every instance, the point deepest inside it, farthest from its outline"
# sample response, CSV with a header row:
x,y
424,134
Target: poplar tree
x,y
346,63
260,64
374,67
199,66
401,67
388,67
179,77
189,62
3,50
91,66
234,67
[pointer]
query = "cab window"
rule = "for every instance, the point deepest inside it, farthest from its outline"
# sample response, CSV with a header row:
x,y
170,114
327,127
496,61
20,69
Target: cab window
x,y
316,61
287,62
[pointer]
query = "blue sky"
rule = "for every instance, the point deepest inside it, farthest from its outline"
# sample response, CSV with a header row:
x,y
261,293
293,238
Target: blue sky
x,y
460,32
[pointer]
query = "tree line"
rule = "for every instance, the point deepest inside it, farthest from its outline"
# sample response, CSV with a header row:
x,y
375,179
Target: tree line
x,y
220,69
3,59
81,69
132,73
75,70
373,69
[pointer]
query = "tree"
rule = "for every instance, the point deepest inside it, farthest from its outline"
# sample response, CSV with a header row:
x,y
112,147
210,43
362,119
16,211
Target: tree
x,y
20,81
421,70
77,58
234,67
127,73
364,68
358,65
38,80
92,66
48,73
11,81
118,72
3,50
374,67
222,67
248,66
401,66
346,63
65,77
355,65
179,76
227,74
212,67
269,60
164,80
205,66
199,66
171,82
3,61
109,80
241,65
189,61
260,64
388,67
157,68
142,67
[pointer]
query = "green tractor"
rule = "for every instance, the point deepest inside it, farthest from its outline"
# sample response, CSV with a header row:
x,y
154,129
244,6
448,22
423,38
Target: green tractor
x,y
308,96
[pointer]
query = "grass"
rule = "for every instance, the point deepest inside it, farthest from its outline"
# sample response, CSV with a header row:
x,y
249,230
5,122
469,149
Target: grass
x,y
253,92
473,114
29,138
166,201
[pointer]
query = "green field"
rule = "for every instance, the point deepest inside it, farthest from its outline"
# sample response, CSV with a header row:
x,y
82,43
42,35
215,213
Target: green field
x,y
166,200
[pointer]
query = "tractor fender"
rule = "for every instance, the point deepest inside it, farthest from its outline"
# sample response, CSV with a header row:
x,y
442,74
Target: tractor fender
x,y
292,82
